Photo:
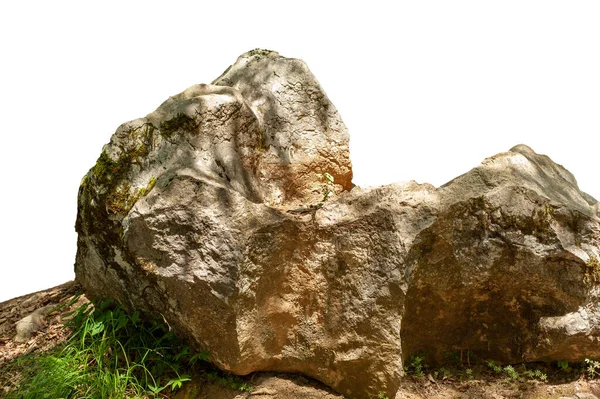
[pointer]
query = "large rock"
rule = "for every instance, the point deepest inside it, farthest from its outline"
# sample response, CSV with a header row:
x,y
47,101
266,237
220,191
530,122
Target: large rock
x,y
209,212
507,258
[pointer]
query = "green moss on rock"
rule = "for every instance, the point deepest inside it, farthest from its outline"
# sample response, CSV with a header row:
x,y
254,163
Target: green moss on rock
x,y
592,270
124,198
105,191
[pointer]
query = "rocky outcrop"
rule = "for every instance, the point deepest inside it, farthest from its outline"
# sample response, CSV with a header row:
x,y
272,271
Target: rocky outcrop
x,y
510,250
230,212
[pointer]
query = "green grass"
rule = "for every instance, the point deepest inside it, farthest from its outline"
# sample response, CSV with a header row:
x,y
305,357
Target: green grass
x,y
110,354
416,365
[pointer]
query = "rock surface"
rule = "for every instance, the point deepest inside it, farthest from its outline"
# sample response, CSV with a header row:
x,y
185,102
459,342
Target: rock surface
x,y
31,323
191,214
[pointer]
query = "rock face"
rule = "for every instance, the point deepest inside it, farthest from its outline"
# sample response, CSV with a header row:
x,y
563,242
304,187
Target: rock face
x,y
506,266
209,211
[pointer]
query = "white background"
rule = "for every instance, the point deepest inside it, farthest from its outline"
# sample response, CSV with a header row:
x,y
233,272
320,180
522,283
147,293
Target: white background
x,y
428,89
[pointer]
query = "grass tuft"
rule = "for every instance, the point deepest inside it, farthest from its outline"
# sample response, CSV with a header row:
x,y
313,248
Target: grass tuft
x,y
110,354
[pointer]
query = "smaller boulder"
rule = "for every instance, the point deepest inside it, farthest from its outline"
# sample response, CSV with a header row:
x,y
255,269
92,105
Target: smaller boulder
x,y
31,323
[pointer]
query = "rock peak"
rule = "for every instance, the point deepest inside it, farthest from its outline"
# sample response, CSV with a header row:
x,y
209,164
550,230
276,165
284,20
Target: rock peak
x,y
523,149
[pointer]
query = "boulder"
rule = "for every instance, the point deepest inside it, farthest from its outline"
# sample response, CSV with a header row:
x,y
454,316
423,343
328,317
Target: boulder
x,y
510,254
230,212
31,323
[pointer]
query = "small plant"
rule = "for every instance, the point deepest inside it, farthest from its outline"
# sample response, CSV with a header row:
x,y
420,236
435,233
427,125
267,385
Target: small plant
x,y
382,396
592,368
592,270
513,375
469,374
493,366
416,365
232,382
328,186
443,372
465,374
564,366
535,375
511,372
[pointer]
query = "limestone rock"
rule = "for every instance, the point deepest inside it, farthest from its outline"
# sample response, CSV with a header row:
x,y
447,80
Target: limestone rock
x,y
507,254
191,213
31,323
301,130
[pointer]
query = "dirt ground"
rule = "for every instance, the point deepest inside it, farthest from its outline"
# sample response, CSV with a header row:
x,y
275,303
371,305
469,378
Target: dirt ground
x,y
281,386
51,332
269,385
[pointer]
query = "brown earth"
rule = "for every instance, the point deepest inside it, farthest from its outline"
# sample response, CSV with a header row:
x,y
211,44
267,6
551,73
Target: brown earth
x,y
265,385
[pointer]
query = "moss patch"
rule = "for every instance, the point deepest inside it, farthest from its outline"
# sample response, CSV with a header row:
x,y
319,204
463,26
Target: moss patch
x,y
109,172
106,195
105,167
124,198
592,271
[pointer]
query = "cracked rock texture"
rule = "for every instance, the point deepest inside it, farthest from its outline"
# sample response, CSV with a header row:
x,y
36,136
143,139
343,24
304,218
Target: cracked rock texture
x,y
191,214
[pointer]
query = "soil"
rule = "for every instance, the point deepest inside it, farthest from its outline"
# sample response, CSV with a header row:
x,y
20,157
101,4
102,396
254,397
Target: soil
x,y
269,385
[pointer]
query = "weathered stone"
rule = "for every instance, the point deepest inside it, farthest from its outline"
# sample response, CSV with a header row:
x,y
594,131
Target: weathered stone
x,y
507,251
209,212
31,323
585,395
301,130
581,395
